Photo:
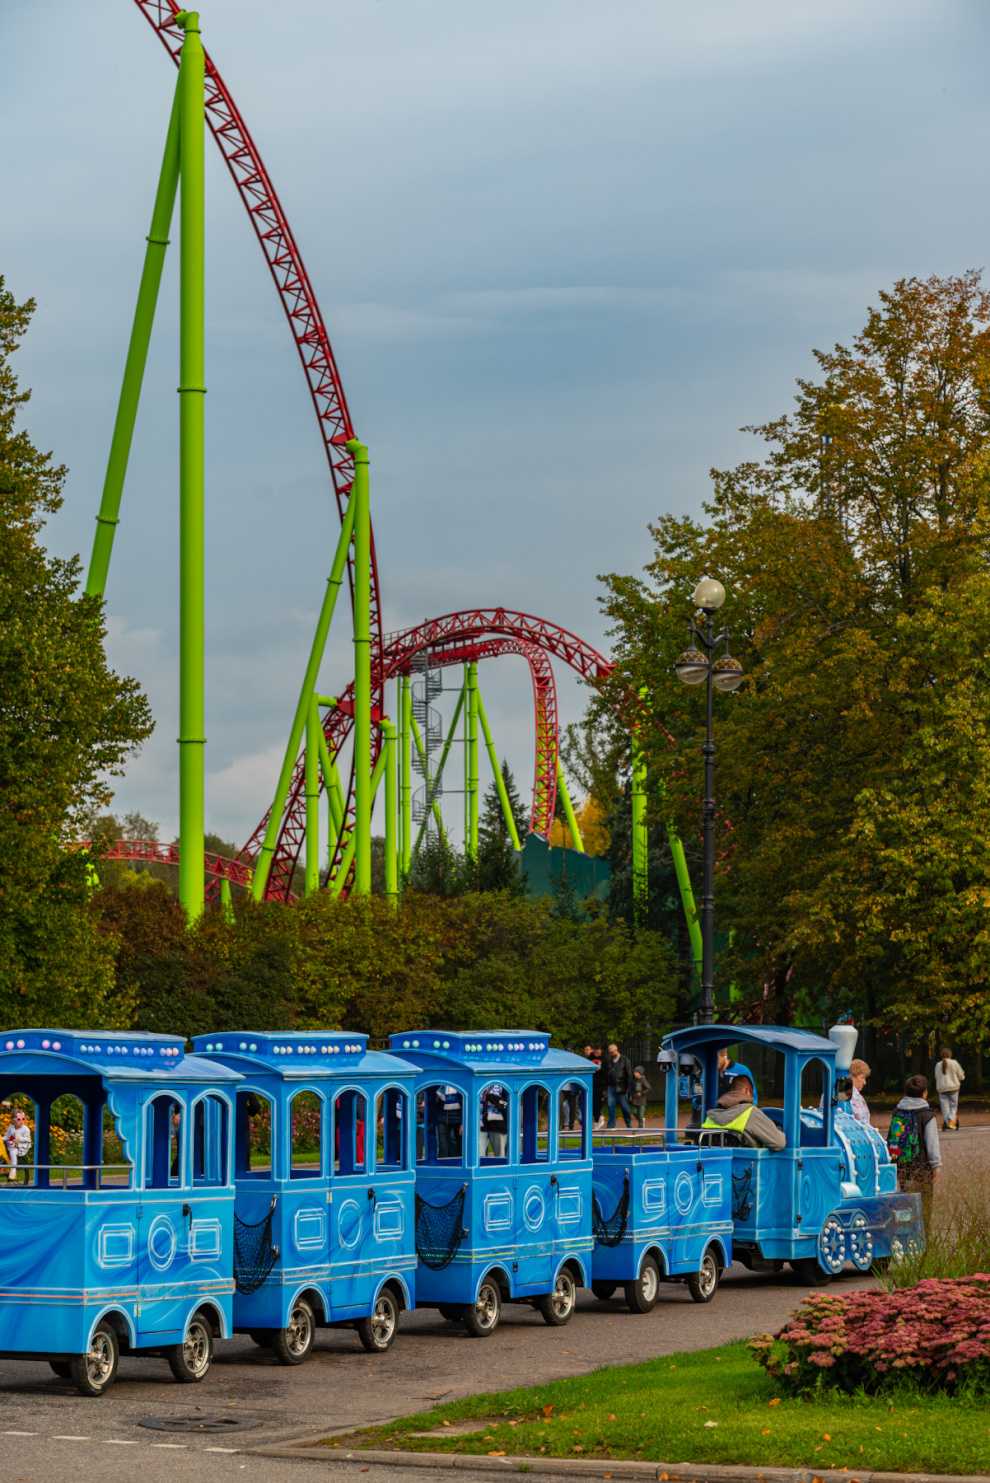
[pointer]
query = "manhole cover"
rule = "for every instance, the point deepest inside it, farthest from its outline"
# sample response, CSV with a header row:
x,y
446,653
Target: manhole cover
x,y
199,1423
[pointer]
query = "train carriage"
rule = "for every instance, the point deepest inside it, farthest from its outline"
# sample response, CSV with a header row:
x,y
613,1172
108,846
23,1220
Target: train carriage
x,y
503,1210
131,1254
662,1212
325,1179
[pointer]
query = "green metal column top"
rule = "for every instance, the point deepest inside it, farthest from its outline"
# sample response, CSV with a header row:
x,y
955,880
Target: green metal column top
x,y
360,498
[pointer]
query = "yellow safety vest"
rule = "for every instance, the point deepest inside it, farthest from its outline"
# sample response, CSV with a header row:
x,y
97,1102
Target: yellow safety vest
x,y
737,1125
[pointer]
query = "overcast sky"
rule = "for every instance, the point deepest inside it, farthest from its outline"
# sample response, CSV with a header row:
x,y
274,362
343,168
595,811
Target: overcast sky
x,y
564,250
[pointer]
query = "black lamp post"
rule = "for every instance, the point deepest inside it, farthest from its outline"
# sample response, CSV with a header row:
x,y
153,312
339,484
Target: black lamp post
x,y
695,665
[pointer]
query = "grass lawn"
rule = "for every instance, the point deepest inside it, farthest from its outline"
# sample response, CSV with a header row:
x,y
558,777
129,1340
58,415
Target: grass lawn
x,y
713,1405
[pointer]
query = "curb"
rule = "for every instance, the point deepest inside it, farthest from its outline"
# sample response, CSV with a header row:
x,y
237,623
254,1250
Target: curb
x,y
586,1467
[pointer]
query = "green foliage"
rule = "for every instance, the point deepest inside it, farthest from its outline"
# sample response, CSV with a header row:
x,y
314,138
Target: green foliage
x,y
66,724
853,766
480,960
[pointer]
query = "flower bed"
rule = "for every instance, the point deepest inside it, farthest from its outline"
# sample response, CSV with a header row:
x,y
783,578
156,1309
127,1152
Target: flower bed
x,y
937,1333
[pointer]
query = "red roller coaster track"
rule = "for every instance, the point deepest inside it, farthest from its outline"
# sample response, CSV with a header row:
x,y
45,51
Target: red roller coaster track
x,y
483,632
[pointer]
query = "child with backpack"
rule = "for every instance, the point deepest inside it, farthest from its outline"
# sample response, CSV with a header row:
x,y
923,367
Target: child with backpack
x,y
913,1145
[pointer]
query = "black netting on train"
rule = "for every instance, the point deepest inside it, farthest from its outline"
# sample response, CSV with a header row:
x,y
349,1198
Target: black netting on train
x,y
610,1232
742,1186
439,1230
254,1254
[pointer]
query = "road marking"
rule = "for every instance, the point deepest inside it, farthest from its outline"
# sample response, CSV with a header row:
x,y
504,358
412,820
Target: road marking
x,y
64,1437
181,1445
221,1449
18,1434
119,1442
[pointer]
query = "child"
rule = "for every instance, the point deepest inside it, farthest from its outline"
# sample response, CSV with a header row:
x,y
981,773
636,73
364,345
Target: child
x,y
17,1140
640,1091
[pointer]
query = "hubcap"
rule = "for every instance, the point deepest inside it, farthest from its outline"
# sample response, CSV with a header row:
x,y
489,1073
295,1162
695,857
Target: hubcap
x,y
487,1305
297,1335
708,1276
649,1283
861,1242
196,1349
383,1321
563,1295
832,1245
99,1360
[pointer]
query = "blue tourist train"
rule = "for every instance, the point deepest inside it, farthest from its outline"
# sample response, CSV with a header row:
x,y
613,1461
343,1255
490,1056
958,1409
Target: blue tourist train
x,y
120,1240
829,1196
503,1173
324,1166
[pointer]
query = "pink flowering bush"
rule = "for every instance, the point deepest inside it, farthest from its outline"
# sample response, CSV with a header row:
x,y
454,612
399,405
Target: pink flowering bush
x,y
937,1334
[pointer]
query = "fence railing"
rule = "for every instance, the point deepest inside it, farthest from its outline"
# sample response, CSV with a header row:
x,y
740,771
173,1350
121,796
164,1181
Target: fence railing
x,y
8,1176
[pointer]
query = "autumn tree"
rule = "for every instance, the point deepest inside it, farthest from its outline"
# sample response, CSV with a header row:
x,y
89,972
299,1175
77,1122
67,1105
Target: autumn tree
x,y
853,769
67,723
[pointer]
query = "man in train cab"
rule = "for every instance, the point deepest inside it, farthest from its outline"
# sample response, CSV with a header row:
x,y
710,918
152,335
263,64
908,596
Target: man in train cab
x,y
727,1069
736,1112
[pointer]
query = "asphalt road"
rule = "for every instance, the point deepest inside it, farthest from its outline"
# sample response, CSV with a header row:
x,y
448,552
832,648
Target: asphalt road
x,y
48,1434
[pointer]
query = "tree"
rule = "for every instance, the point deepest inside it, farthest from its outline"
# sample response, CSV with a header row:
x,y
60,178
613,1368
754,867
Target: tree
x,y
851,764
491,824
66,724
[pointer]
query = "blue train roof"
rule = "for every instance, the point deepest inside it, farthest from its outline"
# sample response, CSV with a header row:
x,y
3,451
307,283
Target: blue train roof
x,y
483,1051
776,1037
322,1054
128,1055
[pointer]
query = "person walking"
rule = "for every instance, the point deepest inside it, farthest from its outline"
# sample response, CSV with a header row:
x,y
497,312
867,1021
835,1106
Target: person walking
x,y
594,1053
618,1084
913,1144
639,1094
949,1077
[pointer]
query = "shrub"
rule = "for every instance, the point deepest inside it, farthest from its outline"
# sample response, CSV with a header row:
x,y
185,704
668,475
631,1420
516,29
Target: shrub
x,y
937,1333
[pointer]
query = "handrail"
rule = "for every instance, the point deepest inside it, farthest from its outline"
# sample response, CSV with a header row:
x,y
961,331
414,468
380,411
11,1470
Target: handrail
x,y
65,1170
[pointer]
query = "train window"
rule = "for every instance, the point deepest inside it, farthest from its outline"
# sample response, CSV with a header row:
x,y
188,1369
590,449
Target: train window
x,y
253,1136
390,1121
67,1123
440,1126
816,1090
209,1141
306,1133
571,1121
163,1144
534,1125
493,1146
350,1121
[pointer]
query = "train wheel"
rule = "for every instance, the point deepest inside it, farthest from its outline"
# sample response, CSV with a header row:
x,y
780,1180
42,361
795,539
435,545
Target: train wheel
x,y
190,1361
703,1284
556,1307
452,1312
62,1368
293,1343
642,1294
603,1290
807,1270
377,1331
95,1371
481,1317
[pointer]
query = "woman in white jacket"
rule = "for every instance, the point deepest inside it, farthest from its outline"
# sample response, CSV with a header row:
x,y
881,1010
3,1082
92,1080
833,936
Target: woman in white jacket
x,y
949,1077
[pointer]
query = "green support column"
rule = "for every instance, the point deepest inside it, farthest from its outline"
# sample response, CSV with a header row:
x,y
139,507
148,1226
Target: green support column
x,y
503,796
640,841
472,770
192,688
687,897
226,903
340,879
391,817
137,355
336,577
360,498
312,799
331,777
405,761
576,841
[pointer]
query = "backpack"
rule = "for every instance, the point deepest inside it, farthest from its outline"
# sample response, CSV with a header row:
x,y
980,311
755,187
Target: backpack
x,y
904,1139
